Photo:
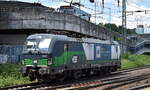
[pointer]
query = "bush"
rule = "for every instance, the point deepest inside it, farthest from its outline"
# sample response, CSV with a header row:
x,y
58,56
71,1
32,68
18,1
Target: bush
x,y
10,75
125,56
131,61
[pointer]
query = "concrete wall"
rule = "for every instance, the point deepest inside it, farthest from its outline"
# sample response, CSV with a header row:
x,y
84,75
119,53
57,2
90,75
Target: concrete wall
x,y
11,46
10,53
15,39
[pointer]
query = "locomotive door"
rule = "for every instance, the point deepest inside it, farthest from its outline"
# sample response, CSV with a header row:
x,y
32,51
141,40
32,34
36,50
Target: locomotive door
x,y
115,52
66,53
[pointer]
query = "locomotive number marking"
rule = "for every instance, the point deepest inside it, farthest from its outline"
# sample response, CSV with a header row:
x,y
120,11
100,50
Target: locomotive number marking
x,y
75,59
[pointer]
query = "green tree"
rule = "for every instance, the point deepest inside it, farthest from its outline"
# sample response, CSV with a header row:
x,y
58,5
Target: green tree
x,y
116,28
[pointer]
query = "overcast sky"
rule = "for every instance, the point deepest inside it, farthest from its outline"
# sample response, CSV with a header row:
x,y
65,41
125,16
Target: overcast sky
x,y
103,14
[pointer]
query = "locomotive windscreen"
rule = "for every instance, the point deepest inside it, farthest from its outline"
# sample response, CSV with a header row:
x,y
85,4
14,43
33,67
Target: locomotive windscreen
x,y
37,45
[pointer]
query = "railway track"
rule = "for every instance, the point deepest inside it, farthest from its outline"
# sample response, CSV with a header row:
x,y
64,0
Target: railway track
x,y
107,85
133,69
112,81
21,86
145,86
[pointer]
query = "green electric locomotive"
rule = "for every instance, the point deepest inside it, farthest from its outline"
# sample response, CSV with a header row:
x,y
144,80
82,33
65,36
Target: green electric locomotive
x,y
47,57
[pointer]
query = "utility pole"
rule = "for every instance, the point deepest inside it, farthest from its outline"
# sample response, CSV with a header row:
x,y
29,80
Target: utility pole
x,y
109,15
94,1
95,13
112,36
80,15
124,34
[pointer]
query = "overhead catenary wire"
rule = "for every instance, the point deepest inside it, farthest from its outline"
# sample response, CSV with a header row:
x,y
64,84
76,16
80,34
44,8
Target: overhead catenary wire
x,y
131,4
103,5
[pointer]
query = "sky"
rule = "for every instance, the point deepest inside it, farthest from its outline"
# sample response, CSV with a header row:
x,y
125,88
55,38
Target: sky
x,y
111,13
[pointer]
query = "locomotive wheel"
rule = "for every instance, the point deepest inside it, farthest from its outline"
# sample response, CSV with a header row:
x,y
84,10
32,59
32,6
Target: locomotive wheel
x,y
40,80
65,76
115,69
105,71
109,70
60,77
77,74
32,77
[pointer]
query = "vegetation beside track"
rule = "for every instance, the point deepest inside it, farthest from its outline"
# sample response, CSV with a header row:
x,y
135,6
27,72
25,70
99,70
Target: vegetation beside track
x,y
9,75
132,61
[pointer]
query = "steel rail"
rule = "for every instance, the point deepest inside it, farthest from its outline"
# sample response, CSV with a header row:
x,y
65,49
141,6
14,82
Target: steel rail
x,y
120,82
21,86
139,87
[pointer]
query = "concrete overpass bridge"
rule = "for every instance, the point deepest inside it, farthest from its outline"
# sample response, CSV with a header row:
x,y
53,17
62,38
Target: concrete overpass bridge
x,y
28,18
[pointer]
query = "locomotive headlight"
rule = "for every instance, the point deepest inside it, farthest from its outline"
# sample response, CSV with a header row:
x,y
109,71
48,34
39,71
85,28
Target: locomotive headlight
x,y
35,61
49,62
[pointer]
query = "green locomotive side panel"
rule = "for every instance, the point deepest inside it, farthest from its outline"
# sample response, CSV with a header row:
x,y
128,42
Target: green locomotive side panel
x,y
99,61
66,58
42,62
28,62
39,62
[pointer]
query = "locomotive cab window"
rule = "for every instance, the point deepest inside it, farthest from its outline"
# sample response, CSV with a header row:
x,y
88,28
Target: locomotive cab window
x,y
44,44
31,44
41,45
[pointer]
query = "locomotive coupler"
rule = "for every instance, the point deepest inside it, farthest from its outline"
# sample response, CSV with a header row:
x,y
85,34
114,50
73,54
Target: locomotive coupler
x,y
44,71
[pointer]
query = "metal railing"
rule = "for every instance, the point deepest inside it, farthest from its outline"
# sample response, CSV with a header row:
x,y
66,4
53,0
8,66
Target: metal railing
x,y
10,54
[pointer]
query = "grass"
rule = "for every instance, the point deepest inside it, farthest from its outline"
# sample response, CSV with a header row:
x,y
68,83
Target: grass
x,y
9,75
131,61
